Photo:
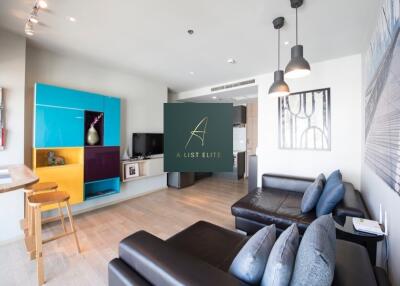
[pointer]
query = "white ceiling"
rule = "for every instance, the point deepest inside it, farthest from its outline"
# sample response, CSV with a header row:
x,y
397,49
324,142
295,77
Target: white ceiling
x,y
149,36
236,96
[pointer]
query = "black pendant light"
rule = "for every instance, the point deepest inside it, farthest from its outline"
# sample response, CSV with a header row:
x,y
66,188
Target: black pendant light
x,y
298,65
279,87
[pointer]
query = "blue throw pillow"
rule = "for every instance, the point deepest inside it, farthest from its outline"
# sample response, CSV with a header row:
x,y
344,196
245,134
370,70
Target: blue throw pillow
x,y
329,199
315,260
281,259
249,263
312,195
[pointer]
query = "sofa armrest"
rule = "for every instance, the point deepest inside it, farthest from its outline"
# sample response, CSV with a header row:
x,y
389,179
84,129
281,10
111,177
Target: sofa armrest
x,y
161,264
351,205
286,182
120,274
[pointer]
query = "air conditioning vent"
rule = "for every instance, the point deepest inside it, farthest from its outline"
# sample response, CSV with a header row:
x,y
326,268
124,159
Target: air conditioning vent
x,y
232,85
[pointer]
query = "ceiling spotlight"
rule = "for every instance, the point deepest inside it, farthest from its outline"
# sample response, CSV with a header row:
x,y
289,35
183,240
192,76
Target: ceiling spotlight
x,y
72,19
231,61
42,4
190,32
29,29
214,97
286,43
191,73
33,19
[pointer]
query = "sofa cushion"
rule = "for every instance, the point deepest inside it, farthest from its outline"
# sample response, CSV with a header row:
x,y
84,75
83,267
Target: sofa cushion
x,y
249,264
329,199
281,259
315,260
203,240
312,195
274,206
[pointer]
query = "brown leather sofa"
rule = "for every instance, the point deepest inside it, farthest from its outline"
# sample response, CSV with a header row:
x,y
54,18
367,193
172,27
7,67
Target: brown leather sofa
x,y
202,254
278,202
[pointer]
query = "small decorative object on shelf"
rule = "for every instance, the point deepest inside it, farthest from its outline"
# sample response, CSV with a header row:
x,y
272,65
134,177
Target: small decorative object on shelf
x,y
2,122
92,135
53,160
131,170
125,156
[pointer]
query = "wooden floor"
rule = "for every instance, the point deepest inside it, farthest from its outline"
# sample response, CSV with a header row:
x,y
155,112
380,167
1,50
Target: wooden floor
x,y
161,213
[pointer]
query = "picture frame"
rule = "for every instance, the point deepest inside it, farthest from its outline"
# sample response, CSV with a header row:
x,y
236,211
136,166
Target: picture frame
x,y
131,170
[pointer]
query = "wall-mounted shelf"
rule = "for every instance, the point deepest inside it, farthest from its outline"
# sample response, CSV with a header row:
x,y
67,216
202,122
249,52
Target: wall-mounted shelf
x,y
101,188
72,156
147,168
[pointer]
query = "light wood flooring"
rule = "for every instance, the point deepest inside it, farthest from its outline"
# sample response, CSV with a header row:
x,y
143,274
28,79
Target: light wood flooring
x,y
161,213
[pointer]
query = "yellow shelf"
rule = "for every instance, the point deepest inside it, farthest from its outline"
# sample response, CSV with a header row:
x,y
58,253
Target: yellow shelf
x,y
69,177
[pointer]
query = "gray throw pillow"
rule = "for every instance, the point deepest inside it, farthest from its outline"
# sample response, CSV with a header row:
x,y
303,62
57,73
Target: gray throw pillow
x,y
315,261
249,263
322,178
281,259
312,195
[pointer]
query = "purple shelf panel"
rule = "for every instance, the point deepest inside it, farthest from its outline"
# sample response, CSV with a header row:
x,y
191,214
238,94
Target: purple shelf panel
x,y
101,163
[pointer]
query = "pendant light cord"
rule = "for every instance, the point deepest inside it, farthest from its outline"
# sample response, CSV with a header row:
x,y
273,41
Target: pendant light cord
x,y
297,32
279,50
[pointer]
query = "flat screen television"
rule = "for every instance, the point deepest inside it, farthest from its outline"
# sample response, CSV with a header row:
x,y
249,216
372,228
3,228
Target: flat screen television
x,y
147,144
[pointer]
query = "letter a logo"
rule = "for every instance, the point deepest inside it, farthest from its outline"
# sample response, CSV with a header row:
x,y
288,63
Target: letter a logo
x,y
199,131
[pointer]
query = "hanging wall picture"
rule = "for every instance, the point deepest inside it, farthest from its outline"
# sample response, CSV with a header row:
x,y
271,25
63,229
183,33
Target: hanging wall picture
x,y
305,120
382,97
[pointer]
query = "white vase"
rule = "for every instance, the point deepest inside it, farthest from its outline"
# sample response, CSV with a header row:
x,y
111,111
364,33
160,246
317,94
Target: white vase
x,y
92,136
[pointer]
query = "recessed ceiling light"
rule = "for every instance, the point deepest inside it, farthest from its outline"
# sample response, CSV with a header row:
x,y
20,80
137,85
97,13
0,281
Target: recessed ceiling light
x,y
72,19
286,43
42,4
190,32
231,61
214,97
191,73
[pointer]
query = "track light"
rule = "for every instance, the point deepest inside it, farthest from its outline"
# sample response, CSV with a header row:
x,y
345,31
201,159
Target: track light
x,y
29,29
42,4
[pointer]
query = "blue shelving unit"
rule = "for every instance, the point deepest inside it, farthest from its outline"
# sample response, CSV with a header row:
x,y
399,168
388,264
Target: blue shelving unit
x,y
102,188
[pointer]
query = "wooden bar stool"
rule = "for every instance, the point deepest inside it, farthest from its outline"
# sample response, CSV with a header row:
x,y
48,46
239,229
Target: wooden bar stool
x,y
35,201
27,224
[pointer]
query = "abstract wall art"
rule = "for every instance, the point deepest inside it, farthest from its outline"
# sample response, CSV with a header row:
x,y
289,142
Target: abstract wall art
x,y
305,120
382,97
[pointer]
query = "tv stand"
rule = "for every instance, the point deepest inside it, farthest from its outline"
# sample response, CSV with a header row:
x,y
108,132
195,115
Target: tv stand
x,y
147,167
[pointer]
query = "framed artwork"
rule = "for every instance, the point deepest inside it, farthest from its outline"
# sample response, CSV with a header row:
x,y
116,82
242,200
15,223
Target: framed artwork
x,y
304,120
382,97
131,170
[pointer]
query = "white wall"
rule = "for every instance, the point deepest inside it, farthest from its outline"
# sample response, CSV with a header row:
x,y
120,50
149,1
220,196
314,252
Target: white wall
x,y
376,192
12,79
141,105
343,76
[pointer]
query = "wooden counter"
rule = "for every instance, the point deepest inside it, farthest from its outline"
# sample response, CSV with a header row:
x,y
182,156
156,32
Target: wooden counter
x,y
21,177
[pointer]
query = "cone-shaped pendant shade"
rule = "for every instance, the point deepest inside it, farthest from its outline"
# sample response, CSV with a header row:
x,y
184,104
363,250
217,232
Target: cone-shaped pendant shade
x,y
279,87
298,65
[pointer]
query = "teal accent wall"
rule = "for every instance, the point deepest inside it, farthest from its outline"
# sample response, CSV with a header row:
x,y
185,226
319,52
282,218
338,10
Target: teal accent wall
x,y
68,98
112,117
58,127
59,116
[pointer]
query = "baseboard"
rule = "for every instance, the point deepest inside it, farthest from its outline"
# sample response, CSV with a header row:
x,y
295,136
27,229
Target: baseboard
x,y
11,240
114,202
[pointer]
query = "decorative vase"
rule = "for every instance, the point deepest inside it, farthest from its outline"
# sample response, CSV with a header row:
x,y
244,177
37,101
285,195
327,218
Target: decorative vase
x,y
92,136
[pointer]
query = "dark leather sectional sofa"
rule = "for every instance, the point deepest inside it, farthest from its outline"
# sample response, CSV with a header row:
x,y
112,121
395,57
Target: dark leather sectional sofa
x,y
202,254
278,202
